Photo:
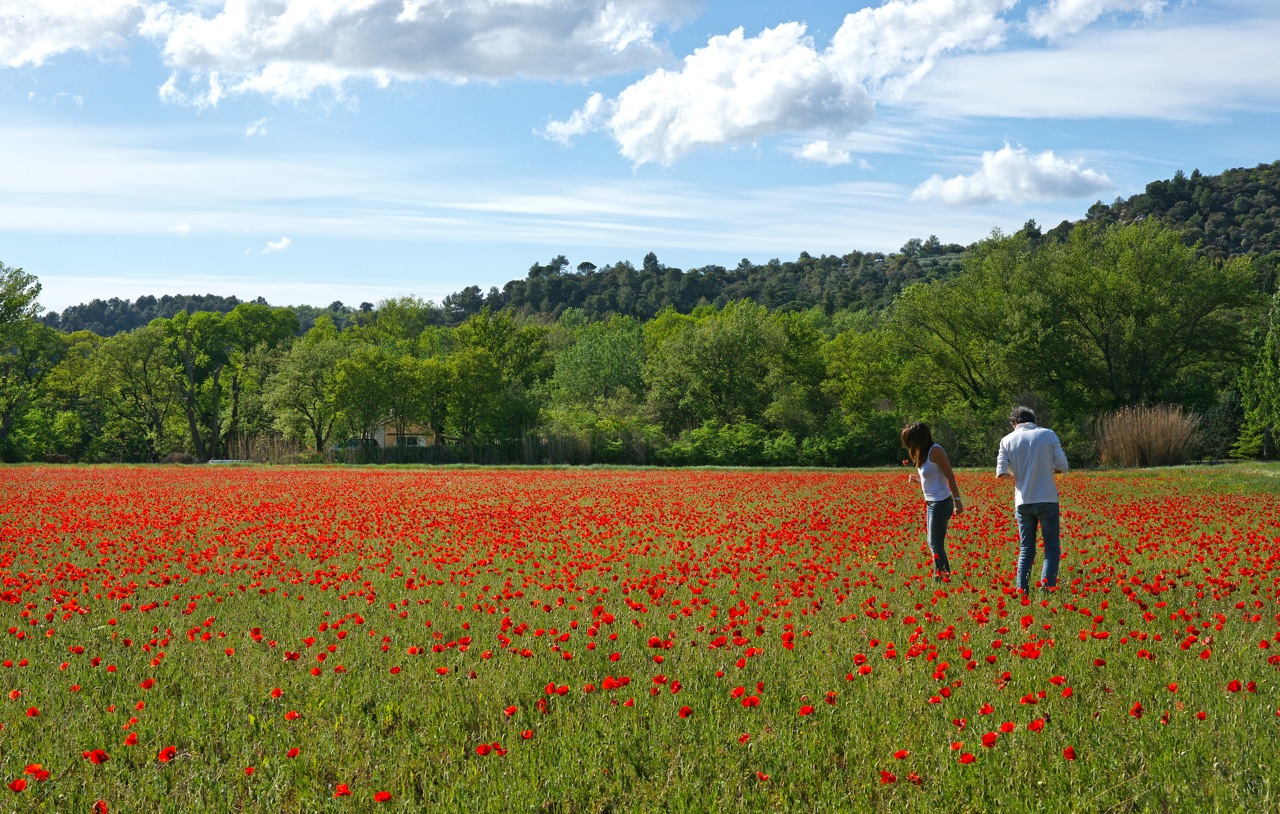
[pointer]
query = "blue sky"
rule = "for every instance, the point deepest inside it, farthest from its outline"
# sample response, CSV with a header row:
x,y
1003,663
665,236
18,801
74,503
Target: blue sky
x,y
316,150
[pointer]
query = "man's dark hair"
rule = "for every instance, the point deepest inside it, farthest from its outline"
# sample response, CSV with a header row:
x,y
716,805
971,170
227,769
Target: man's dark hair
x,y
1022,415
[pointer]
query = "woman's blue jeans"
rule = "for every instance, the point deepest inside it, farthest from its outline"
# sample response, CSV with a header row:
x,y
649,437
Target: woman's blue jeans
x,y
1046,516
938,518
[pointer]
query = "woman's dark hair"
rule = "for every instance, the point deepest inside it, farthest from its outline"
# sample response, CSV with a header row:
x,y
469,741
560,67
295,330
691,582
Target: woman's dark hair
x,y
917,440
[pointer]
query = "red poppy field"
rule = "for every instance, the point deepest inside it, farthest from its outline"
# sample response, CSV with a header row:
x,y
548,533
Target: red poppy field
x,y
270,639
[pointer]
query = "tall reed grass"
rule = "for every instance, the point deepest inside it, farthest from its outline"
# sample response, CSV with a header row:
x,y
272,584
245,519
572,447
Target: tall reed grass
x,y
1159,435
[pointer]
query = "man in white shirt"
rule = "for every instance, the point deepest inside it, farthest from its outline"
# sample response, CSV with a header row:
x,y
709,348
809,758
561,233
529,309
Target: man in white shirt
x,y
1030,456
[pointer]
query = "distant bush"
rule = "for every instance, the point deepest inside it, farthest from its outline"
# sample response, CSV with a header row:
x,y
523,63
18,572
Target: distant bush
x,y
56,458
1162,435
178,458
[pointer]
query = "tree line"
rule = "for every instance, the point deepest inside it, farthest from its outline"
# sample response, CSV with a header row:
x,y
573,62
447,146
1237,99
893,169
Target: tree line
x,y
1105,316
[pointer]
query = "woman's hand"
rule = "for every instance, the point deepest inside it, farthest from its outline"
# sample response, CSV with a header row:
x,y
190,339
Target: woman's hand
x,y
959,504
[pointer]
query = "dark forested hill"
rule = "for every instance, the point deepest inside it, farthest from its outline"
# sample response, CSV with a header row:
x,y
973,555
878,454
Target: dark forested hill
x,y
1235,213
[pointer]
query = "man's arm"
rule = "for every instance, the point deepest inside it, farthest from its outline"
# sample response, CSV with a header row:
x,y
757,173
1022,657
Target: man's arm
x,y
1002,464
1059,457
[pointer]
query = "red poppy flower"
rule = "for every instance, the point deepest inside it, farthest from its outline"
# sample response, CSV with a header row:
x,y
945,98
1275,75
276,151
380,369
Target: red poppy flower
x,y
96,757
527,734
292,715
966,758
18,785
745,736
167,754
292,753
685,712
761,776
342,790
1036,725
901,753
806,710
887,777
989,739
1136,709
100,807
131,739
483,749
1234,686
382,796
249,770
277,692
1007,727
1069,753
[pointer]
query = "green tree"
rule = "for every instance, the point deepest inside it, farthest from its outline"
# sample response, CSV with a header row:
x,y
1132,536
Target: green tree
x,y
474,403
301,393
22,345
255,335
1260,393
1131,315
961,339
199,352
133,377
714,367
360,387
607,358
30,352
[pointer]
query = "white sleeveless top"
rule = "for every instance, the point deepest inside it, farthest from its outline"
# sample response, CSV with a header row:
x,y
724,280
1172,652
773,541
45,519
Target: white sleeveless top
x,y
932,482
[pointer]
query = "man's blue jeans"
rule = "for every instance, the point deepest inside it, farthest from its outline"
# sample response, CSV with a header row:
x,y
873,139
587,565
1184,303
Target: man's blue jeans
x,y
1046,516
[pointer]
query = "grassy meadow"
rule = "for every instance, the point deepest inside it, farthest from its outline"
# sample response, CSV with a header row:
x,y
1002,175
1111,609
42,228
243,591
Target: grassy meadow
x,y
272,639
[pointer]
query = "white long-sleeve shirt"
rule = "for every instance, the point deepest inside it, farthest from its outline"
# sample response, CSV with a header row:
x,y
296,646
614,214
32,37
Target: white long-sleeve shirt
x,y
1031,454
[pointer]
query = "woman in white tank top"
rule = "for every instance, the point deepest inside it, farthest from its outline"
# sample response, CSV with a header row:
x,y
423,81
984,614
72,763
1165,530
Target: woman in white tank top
x,y
941,494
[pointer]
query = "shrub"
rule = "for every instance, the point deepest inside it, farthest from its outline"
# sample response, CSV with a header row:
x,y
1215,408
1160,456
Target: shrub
x,y
178,458
1162,435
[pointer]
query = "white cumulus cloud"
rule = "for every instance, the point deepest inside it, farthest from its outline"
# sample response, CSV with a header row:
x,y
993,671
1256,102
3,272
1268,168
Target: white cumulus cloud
x,y
32,31
1012,175
588,118
289,49
257,128
277,245
735,90
1060,17
181,229
738,89
892,46
823,153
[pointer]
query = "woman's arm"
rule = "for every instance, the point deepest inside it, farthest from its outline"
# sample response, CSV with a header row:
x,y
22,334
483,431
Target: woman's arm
x,y
939,456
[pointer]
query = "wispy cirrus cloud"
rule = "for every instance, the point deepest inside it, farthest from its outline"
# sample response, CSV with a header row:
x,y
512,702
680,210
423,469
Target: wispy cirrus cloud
x,y
1060,17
